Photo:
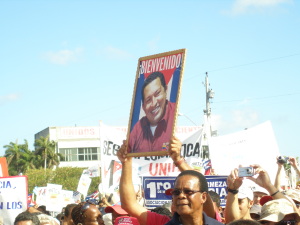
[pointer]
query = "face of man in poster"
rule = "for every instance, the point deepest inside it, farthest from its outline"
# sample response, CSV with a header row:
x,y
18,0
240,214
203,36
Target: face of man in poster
x,y
154,100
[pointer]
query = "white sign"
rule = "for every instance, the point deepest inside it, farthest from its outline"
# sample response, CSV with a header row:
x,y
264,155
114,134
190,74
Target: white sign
x,y
53,197
256,145
13,197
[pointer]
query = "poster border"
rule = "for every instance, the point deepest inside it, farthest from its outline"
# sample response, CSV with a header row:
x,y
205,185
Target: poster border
x,y
156,153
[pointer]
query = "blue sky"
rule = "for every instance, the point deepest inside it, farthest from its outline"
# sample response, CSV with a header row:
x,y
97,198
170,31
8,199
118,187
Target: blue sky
x,y
67,63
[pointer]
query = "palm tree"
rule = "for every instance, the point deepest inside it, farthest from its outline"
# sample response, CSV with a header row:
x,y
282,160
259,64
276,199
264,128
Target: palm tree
x,y
28,158
13,153
46,149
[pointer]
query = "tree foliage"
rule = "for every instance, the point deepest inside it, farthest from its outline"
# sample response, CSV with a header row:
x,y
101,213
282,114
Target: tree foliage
x,y
68,177
41,166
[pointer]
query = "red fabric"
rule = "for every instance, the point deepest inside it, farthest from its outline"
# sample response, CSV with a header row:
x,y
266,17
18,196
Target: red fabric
x,y
141,138
156,219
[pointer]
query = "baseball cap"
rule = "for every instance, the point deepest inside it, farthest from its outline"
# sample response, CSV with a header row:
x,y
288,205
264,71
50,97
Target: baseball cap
x,y
117,208
264,199
126,220
245,192
258,188
276,210
169,191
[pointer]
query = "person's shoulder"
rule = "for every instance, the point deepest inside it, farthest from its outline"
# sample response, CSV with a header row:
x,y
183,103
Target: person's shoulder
x,y
210,221
156,219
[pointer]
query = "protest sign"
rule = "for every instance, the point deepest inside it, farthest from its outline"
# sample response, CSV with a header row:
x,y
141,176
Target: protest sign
x,y
53,197
13,197
155,187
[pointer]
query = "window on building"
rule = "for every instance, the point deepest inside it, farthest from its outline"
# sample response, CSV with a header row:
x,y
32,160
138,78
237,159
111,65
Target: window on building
x,y
79,154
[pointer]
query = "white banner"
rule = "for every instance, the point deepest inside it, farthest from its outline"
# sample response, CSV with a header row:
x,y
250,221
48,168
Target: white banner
x,y
13,197
256,145
111,139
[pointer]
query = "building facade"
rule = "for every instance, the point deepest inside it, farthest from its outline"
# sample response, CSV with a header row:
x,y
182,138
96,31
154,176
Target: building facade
x,y
80,146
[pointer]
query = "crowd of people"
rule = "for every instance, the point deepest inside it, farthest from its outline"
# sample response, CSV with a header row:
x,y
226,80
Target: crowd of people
x,y
265,202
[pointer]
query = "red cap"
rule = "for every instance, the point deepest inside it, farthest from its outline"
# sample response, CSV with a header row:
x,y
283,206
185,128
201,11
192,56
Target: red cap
x,y
265,199
126,220
169,191
117,208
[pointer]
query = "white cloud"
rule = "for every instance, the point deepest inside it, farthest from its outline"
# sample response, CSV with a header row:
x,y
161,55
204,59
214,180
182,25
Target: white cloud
x,y
9,98
63,57
245,6
116,53
238,120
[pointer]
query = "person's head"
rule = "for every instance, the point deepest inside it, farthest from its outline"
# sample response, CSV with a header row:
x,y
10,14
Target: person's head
x,y
86,213
245,198
116,211
278,211
244,222
216,199
26,218
67,214
189,193
154,95
258,193
162,211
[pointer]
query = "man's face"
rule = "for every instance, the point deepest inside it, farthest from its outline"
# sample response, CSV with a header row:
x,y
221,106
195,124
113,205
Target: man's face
x,y
244,206
154,104
257,196
186,204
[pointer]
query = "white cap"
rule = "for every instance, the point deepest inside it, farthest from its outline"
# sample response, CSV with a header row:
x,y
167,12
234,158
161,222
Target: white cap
x,y
257,188
245,191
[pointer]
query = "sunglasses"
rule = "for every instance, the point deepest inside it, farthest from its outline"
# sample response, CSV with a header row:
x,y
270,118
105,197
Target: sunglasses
x,y
177,192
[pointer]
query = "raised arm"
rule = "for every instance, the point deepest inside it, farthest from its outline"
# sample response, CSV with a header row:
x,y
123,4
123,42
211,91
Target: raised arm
x,y
232,211
277,182
179,161
127,192
294,164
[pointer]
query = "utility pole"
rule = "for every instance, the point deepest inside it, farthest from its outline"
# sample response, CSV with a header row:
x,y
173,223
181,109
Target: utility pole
x,y
207,131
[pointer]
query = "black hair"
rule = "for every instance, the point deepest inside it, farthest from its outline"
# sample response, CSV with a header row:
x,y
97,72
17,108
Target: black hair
x,y
151,78
24,216
202,180
244,222
162,211
76,214
215,197
69,208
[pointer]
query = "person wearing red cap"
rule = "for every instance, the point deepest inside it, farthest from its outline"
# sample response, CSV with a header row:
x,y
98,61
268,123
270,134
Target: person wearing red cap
x,y
116,211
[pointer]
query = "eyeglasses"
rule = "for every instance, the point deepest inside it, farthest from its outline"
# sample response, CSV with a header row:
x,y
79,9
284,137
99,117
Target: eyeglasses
x,y
177,192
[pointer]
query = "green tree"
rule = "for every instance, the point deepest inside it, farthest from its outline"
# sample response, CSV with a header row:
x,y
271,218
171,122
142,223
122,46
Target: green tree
x,y
13,153
68,177
46,149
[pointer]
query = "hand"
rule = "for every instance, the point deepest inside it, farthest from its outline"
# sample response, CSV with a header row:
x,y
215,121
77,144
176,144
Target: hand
x,y
122,152
174,149
233,180
263,178
293,161
278,163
